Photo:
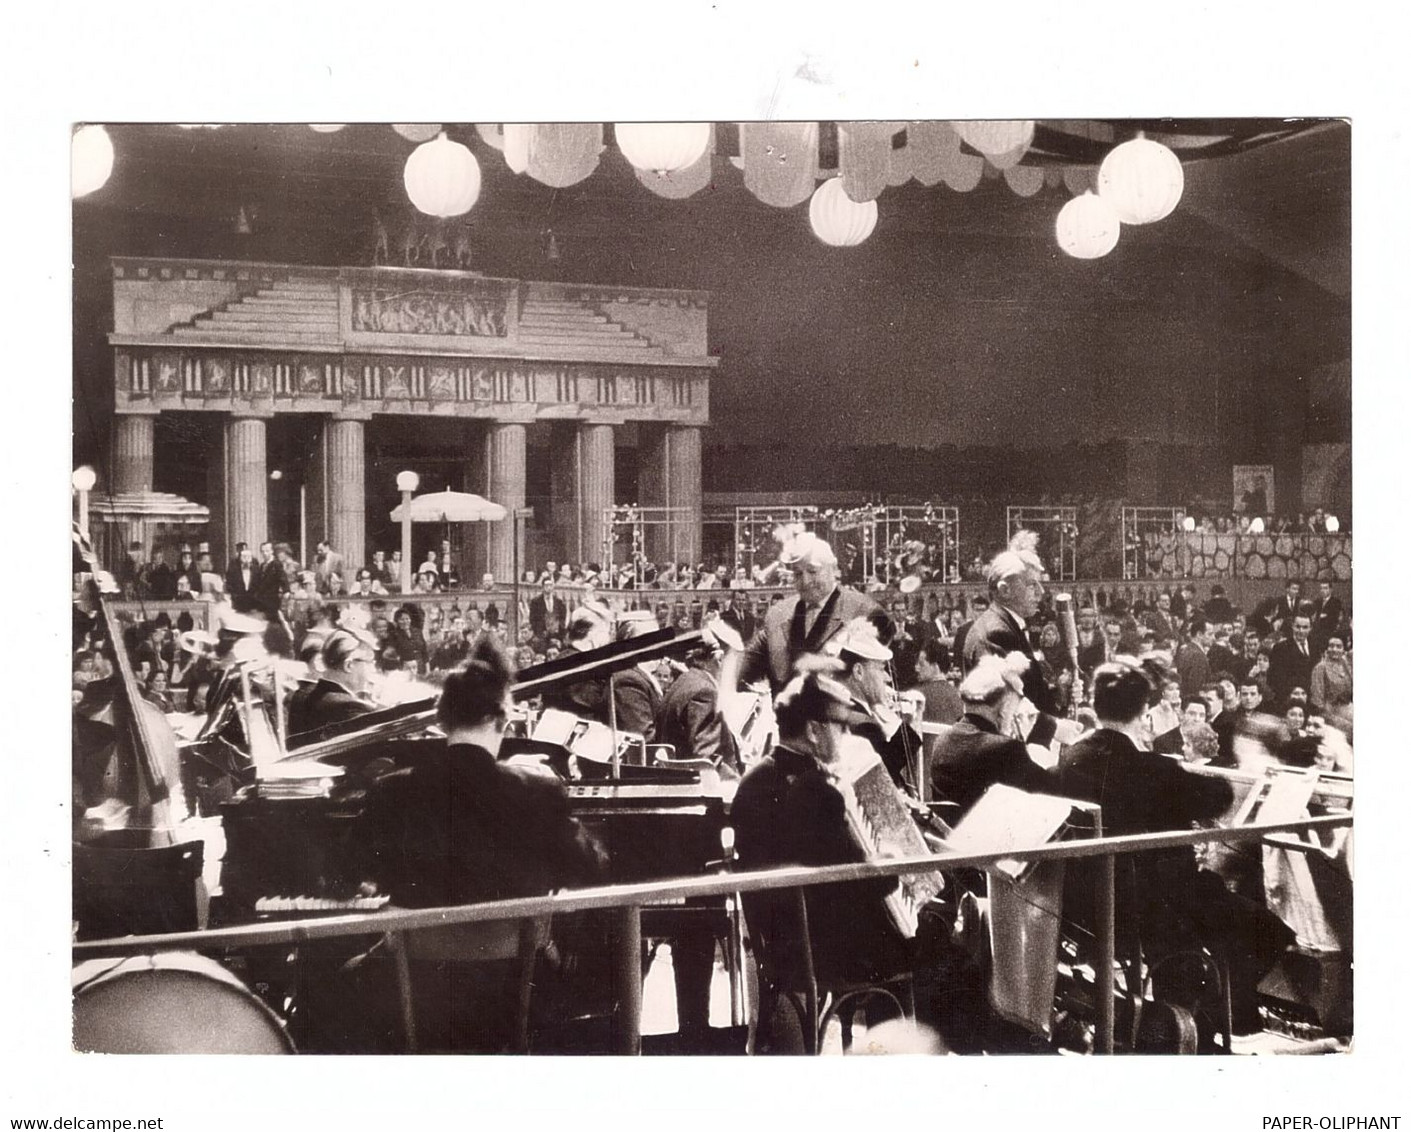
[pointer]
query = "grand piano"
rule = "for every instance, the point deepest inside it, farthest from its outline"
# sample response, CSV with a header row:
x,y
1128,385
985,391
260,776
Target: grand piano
x,y
655,821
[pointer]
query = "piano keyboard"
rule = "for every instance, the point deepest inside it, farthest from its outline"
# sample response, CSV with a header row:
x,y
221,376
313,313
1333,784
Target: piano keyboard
x,y
317,905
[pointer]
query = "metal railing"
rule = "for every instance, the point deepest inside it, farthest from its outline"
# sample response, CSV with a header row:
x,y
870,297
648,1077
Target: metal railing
x,y
628,900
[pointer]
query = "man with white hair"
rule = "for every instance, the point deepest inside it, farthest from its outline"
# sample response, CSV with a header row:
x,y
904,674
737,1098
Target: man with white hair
x,y
801,624
983,748
1015,578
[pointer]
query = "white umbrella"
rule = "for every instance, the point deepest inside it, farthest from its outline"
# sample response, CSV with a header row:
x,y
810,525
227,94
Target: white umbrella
x,y
451,507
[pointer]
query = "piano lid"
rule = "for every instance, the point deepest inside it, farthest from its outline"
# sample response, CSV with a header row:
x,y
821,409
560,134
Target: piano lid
x,y
571,668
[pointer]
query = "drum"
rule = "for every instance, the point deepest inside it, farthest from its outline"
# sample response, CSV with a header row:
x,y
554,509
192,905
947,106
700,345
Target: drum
x,y
172,1002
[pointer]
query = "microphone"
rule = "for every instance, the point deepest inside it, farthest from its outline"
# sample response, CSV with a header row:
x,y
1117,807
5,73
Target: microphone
x,y
1067,627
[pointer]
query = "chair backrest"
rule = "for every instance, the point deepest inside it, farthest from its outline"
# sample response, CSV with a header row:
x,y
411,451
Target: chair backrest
x,y
478,943
136,891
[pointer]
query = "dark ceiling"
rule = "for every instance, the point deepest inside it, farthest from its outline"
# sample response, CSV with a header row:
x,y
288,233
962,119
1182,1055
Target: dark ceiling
x,y
958,305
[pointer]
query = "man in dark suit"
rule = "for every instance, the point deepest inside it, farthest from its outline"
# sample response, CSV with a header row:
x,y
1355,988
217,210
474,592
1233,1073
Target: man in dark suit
x,y
548,613
1218,608
1015,577
981,750
1327,618
271,583
738,615
1291,661
1192,663
1286,609
800,624
242,579
1162,893
789,810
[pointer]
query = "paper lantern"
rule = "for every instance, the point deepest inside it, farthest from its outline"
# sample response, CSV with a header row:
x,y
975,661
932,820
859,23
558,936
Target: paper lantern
x,y
327,127
837,220
1332,525
442,177
1142,180
994,139
92,160
1025,180
418,134
1087,227
518,136
662,147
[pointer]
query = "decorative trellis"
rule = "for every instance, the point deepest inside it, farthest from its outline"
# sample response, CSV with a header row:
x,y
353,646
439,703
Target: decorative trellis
x,y
1057,528
880,544
625,534
754,532
1142,529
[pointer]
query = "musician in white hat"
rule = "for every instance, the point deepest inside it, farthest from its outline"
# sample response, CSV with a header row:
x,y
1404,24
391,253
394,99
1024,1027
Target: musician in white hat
x,y
984,748
790,810
867,676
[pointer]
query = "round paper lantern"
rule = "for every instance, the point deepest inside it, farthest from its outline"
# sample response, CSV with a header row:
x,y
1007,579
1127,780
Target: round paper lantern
x,y
418,133
1087,227
996,138
662,147
838,220
442,177
1332,525
92,160
1142,180
327,127
1025,180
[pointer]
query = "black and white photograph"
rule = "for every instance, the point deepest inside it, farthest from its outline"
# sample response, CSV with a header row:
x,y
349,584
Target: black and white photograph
x,y
854,583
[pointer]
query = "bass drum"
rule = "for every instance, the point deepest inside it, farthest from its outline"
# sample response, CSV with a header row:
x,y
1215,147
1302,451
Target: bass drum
x,y
172,1002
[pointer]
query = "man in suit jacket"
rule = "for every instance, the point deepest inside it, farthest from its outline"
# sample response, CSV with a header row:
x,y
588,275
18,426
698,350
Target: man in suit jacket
x,y
1286,609
242,579
801,624
737,613
1015,577
548,613
1291,661
1192,663
271,583
1327,618
1175,903
327,562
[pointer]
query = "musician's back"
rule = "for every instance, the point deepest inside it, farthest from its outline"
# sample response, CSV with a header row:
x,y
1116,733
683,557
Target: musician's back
x,y
458,827
788,812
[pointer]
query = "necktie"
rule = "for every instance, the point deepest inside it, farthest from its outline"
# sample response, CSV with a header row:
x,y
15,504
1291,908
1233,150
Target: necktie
x,y
809,617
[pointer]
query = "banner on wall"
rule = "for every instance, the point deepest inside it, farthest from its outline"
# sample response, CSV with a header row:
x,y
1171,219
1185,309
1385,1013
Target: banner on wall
x,y
1254,489
1327,479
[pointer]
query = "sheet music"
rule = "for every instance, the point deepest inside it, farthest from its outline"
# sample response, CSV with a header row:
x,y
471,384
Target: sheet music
x,y
1008,818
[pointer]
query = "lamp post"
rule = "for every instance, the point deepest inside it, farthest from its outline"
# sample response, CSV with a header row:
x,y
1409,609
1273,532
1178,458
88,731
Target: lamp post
x,y
83,480
407,483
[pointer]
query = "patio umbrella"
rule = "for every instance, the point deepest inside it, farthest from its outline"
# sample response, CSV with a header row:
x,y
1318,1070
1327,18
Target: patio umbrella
x,y
451,507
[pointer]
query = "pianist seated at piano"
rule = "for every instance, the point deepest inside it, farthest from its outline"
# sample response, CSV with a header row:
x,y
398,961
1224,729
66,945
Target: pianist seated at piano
x,y
790,810
456,826
339,692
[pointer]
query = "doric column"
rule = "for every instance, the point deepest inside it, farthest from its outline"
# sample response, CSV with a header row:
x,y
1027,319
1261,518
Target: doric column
x,y
584,478
505,484
336,495
597,485
669,475
246,483
132,452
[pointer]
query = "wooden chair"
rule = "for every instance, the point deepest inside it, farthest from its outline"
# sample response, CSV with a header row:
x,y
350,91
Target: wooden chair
x,y
516,941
